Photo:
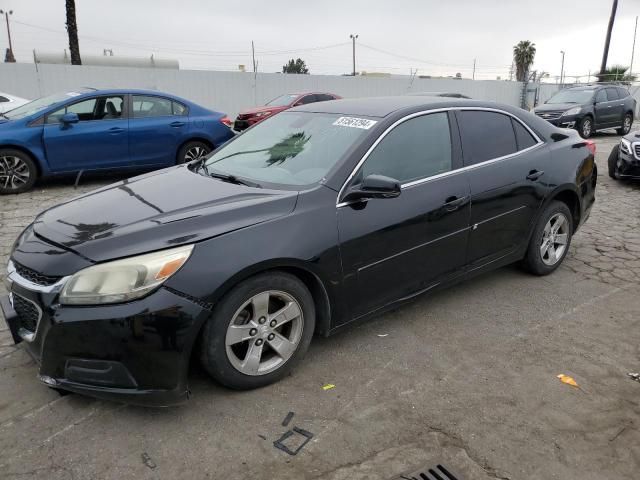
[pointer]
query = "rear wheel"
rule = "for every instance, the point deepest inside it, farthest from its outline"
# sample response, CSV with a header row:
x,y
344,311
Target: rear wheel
x,y
191,151
612,162
626,125
259,331
550,240
18,173
585,127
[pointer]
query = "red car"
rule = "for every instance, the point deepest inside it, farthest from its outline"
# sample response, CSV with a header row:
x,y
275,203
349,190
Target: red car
x,y
283,102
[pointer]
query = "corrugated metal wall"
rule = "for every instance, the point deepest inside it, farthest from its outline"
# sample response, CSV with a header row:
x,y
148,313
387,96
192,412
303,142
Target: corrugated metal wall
x,y
231,92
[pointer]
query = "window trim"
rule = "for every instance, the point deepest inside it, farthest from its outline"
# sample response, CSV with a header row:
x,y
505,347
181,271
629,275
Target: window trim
x,y
464,168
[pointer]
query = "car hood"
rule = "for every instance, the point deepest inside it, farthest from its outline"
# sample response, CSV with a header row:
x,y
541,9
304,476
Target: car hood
x,y
253,111
555,107
162,209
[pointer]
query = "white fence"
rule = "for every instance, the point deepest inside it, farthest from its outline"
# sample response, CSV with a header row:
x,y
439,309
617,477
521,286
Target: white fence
x,y
231,92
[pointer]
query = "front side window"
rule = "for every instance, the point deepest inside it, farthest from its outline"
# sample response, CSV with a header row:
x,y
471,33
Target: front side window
x,y
291,148
417,148
100,108
485,136
36,106
601,96
146,106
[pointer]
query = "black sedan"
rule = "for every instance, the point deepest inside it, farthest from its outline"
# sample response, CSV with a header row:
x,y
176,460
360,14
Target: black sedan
x,y
318,217
624,159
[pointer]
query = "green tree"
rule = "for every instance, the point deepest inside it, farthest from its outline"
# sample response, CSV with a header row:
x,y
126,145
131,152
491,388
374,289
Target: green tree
x,y
615,73
295,66
523,55
72,30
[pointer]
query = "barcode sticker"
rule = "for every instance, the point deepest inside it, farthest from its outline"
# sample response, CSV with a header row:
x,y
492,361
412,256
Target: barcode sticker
x,y
353,122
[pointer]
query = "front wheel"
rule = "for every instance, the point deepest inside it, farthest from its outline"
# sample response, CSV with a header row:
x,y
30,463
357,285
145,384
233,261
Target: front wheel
x,y
612,162
259,331
585,127
18,173
550,240
192,151
626,125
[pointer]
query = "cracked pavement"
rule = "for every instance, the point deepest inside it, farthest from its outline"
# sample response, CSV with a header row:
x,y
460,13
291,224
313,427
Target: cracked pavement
x,y
465,377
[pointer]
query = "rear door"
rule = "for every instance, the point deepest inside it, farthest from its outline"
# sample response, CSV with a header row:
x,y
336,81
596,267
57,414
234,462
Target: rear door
x,y
157,126
98,140
393,248
615,106
602,109
506,165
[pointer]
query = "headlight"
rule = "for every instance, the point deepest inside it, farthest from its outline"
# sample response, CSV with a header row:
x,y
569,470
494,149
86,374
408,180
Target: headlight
x,y
262,114
625,145
123,280
572,111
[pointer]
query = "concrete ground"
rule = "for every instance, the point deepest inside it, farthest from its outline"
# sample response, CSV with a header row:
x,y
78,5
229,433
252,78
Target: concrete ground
x,y
466,377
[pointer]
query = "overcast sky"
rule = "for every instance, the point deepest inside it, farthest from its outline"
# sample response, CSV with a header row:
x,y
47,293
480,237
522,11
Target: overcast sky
x,y
438,37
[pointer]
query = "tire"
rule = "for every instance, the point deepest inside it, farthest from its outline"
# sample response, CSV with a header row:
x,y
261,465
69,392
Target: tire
x,y
535,260
18,172
612,162
235,330
585,127
191,151
627,121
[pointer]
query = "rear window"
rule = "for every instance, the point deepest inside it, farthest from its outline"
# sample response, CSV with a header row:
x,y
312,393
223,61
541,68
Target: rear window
x,y
485,136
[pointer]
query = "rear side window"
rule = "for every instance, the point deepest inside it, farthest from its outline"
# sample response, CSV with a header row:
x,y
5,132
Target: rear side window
x,y
415,149
307,99
323,97
612,94
3,99
179,109
622,92
149,106
485,136
523,138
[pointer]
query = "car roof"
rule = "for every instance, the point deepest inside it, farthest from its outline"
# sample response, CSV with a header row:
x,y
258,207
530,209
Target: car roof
x,y
383,106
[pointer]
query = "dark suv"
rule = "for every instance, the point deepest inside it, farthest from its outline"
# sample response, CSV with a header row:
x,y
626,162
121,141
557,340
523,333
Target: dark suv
x,y
590,108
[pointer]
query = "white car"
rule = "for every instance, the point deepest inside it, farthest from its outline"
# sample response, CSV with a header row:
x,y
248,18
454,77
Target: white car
x,y
9,102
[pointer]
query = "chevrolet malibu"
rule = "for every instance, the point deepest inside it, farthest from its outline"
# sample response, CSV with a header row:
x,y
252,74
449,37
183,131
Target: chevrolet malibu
x,y
319,217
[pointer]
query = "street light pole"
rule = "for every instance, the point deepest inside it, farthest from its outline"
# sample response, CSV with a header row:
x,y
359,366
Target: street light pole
x,y
353,38
10,56
562,69
633,49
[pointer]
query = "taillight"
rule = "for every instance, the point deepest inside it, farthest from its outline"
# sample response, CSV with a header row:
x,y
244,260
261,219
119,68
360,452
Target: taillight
x,y
591,146
227,121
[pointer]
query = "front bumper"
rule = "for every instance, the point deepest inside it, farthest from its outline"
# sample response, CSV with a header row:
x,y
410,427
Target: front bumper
x,y
565,121
135,353
628,165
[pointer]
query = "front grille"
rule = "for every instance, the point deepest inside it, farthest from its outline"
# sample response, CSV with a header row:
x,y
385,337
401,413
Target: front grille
x,y
35,277
550,115
637,150
27,312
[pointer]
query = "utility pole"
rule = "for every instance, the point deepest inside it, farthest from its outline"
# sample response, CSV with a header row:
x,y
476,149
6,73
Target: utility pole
x,y
562,70
253,56
511,71
605,53
633,49
353,38
473,75
10,57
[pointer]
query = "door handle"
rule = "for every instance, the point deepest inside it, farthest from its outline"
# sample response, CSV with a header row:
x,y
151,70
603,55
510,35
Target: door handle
x,y
116,130
609,106
535,175
453,203
177,124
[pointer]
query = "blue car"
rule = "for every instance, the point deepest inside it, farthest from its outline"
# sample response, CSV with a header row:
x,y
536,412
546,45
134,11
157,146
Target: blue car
x,y
91,129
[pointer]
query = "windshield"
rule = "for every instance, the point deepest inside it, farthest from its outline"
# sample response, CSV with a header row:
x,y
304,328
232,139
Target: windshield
x,y
291,148
39,104
282,101
572,96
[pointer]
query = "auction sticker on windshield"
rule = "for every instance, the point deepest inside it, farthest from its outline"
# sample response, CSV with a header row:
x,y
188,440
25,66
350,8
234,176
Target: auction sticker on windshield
x,y
353,122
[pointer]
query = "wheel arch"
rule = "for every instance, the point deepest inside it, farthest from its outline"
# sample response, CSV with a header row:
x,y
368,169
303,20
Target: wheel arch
x,y
195,139
571,199
26,151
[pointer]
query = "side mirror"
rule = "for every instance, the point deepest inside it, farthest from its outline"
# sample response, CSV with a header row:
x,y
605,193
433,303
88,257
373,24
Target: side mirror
x,y
68,118
374,186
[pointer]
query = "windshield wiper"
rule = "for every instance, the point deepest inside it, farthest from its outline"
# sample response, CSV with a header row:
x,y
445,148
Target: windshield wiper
x,y
4,116
228,178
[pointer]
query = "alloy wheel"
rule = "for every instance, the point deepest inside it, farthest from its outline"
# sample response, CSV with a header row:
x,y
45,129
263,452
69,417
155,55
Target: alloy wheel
x,y
195,153
14,172
586,128
626,126
555,238
264,333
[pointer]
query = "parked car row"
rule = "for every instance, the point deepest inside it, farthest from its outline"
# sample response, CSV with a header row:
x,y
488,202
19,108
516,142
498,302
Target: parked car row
x,y
317,217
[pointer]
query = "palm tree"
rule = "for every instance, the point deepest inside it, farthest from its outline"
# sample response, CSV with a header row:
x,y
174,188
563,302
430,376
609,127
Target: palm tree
x,y
615,73
72,29
523,54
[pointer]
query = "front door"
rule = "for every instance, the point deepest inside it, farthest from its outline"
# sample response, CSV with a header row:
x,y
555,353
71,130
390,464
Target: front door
x,y
394,248
506,176
99,140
